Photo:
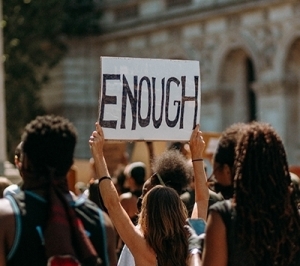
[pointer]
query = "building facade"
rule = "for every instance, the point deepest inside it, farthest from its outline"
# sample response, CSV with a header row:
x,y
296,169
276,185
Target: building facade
x,y
249,54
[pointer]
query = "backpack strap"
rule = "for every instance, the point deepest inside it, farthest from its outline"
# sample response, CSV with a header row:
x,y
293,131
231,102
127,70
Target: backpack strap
x,y
18,227
92,218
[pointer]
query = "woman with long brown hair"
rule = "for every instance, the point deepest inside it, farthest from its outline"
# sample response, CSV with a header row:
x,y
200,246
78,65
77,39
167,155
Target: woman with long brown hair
x,y
160,239
162,220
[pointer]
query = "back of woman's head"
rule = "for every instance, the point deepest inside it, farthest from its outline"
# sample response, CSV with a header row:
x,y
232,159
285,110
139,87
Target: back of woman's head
x,y
261,167
268,223
162,220
225,152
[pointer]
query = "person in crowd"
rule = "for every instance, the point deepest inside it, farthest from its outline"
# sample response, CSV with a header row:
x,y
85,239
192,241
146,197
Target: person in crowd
x,y
15,188
42,224
135,177
260,224
80,188
135,174
188,189
221,179
182,147
112,236
119,178
160,238
169,169
188,197
4,183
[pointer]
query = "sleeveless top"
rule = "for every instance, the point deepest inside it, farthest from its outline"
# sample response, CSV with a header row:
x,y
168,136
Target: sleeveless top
x,y
31,214
237,256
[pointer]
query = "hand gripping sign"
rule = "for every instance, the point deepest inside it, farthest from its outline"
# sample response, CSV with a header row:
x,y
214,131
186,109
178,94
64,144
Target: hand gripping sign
x,y
149,99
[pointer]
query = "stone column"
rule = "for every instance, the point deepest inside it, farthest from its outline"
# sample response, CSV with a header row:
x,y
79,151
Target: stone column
x,y
2,104
271,104
211,109
278,105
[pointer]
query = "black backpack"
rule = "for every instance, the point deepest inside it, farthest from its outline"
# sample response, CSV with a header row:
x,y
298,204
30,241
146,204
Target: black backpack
x,y
31,213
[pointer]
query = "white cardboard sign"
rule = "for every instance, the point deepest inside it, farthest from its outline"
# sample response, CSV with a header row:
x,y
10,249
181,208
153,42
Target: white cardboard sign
x,y
149,99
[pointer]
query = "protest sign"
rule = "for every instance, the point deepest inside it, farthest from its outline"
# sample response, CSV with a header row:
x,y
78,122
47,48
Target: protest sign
x,y
149,99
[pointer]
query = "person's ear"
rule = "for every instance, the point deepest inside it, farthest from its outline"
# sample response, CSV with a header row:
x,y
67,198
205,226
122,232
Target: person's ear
x,y
24,161
17,162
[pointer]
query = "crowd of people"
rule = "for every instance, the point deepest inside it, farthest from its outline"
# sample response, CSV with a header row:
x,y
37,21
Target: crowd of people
x,y
249,205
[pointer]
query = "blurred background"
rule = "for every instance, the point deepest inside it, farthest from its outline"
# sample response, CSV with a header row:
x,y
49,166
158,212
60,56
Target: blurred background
x,y
249,54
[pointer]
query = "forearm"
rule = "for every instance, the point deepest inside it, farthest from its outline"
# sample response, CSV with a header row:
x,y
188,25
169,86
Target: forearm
x,y
194,260
200,181
201,191
107,188
197,146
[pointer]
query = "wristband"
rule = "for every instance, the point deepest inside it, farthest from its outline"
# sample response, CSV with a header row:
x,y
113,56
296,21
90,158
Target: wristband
x,y
196,160
102,178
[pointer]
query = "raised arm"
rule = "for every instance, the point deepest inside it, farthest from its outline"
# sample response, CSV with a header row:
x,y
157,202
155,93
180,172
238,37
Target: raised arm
x,y
197,146
131,236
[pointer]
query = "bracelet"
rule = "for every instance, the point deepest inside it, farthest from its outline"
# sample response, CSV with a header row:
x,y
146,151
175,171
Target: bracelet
x,y
196,160
102,178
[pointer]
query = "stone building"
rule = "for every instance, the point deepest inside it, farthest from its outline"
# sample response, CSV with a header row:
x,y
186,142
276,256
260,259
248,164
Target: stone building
x,y
249,54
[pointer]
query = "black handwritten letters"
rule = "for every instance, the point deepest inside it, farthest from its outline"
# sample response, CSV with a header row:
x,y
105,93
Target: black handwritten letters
x,y
132,95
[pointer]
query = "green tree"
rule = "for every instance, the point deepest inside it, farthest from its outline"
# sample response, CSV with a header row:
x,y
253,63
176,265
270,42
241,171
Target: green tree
x,y
34,42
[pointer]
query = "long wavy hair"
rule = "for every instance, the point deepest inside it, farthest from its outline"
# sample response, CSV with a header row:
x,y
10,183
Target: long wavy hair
x,y
268,224
162,219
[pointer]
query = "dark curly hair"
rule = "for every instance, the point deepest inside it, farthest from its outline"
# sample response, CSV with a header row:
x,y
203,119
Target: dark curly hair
x,y
173,169
225,153
49,142
268,224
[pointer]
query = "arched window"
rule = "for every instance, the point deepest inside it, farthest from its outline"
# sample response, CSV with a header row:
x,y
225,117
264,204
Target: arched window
x,y
238,97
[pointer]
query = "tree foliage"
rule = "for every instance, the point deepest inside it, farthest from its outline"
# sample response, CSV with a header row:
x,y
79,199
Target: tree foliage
x,y
34,42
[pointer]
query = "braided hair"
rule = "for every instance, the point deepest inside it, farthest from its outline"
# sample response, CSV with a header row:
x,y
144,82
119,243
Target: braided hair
x,y
268,224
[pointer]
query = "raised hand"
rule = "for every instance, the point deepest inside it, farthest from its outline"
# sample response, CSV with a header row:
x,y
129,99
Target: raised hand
x,y
96,141
197,144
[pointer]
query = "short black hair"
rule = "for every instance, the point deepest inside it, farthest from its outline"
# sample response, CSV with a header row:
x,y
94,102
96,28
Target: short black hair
x,y
49,143
137,170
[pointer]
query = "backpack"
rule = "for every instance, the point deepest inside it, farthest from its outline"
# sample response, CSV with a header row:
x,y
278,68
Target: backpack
x,y
31,215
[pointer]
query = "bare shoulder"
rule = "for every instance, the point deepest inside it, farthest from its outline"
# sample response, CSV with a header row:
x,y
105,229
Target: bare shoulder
x,y
7,216
7,221
128,200
5,208
126,196
215,244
